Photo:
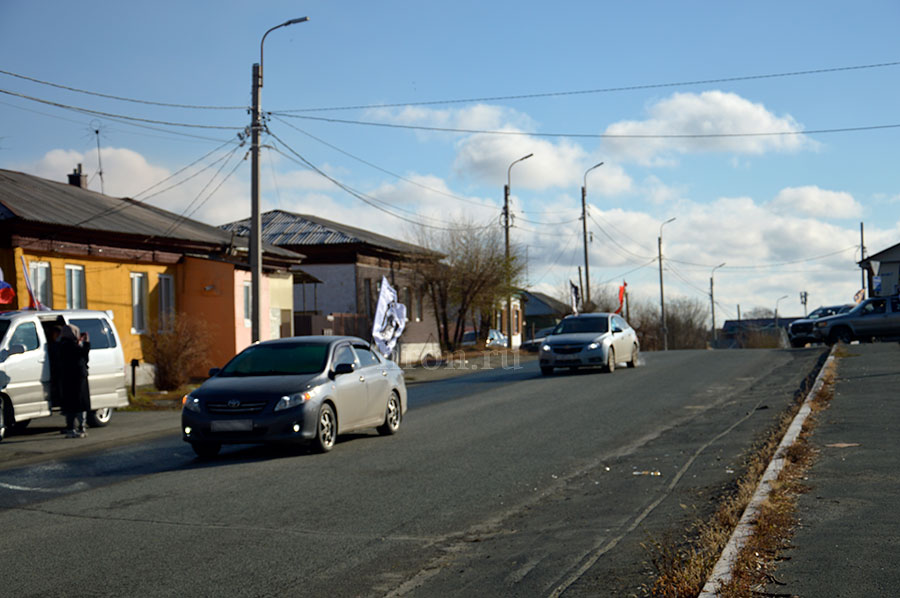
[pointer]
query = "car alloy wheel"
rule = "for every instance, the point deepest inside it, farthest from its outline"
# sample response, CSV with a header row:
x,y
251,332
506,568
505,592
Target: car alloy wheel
x,y
326,429
392,416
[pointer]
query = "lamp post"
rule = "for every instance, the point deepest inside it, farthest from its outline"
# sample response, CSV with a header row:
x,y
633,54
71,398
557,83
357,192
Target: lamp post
x,y
776,309
712,300
587,270
662,301
255,226
506,229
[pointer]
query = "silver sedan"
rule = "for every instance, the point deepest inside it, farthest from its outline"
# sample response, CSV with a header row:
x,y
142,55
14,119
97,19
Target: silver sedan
x,y
600,339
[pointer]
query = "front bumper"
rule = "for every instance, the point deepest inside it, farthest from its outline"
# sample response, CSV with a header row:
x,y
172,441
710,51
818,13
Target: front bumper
x,y
584,357
291,425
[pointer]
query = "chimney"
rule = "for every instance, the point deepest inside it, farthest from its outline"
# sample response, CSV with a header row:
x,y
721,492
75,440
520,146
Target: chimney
x,y
77,178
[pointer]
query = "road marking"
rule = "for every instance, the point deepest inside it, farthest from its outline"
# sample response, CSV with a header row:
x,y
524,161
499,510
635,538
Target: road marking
x,y
70,488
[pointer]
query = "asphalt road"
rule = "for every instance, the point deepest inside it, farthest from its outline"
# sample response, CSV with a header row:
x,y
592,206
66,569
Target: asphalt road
x,y
502,482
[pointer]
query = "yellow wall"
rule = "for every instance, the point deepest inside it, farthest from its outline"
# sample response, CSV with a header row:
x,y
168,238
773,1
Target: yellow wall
x,y
107,287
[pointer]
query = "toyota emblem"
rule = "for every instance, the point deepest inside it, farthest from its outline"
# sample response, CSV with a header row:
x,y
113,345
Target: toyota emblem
x,y
234,403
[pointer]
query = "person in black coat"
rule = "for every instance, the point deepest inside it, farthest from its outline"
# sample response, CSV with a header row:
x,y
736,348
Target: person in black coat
x,y
75,397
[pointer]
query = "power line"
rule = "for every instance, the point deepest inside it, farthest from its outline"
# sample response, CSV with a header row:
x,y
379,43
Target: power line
x,y
615,242
117,116
772,265
357,194
591,135
120,98
600,90
384,170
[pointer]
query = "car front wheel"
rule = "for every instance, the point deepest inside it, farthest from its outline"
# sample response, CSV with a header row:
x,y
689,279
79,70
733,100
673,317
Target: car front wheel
x,y
611,360
326,429
392,416
842,335
634,357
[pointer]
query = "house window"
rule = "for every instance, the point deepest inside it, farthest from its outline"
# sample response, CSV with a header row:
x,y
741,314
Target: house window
x,y
367,296
166,302
41,283
516,321
76,296
419,306
139,302
248,305
407,299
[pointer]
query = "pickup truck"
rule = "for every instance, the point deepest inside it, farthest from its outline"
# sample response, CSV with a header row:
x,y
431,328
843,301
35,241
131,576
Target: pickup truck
x,y
874,318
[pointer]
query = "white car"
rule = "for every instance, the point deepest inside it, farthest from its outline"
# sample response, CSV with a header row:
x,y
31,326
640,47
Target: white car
x,y
600,339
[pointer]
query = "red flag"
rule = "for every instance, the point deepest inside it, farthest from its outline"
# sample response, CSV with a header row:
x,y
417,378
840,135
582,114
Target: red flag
x,y
621,297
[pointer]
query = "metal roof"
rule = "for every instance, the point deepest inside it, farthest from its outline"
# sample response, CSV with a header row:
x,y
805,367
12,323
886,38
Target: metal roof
x,y
39,200
287,229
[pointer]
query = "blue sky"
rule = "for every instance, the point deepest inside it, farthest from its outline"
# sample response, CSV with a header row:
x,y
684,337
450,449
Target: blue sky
x,y
782,211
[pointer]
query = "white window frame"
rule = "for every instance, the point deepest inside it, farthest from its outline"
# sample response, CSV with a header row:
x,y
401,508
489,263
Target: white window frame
x,y
248,304
166,301
76,290
42,282
139,298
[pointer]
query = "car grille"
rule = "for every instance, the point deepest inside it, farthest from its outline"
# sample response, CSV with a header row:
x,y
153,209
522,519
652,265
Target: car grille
x,y
235,407
803,328
567,350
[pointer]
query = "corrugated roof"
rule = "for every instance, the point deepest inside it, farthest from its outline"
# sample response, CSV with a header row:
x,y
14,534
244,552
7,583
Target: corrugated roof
x,y
287,229
40,200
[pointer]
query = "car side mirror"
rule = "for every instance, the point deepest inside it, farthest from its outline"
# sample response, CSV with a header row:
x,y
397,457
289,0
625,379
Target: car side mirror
x,y
16,349
344,368
214,372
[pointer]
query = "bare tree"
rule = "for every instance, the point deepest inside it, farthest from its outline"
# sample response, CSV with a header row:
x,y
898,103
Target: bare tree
x,y
474,275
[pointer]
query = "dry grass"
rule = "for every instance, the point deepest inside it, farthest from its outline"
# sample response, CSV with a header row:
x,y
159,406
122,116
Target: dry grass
x,y
147,398
683,568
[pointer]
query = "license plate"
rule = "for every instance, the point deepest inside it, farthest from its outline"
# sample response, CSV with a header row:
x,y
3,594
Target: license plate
x,y
232,425
570,360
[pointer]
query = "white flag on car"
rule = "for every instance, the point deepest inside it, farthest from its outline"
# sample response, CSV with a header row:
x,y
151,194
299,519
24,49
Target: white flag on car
x,y
390,319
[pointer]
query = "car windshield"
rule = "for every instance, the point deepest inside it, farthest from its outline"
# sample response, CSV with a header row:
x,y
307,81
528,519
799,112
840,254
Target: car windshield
x,y
278,359
576,325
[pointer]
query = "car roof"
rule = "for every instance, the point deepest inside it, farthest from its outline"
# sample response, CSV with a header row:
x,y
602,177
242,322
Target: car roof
x,y
52,314
602,314
315,340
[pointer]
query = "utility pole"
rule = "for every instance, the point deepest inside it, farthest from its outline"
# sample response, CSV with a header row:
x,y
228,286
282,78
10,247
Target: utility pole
x,y
586,296
580,288
803,297
662,302
509,334
712,300
862,256
255,226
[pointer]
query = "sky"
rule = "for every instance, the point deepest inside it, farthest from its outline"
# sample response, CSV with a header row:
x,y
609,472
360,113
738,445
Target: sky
x,y
767,130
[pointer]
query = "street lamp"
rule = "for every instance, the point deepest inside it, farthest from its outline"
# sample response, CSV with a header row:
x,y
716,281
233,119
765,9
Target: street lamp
x,y
255,226
712,300
776,310
506,228
587,270
662,302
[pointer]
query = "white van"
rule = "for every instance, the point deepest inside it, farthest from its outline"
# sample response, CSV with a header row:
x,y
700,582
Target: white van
x,y
25,366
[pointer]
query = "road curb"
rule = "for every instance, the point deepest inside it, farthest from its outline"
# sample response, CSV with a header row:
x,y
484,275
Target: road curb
x,y
721,573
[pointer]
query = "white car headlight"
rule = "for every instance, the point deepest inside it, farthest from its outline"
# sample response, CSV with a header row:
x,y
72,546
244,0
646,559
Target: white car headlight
x,y
190,403
593,346
296,399
545,347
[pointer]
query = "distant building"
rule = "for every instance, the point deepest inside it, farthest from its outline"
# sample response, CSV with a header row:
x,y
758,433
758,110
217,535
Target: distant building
x,y
349,263
542,311
883,272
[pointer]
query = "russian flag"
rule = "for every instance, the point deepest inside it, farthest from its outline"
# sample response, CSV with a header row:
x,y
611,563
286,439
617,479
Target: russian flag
x,y
7,294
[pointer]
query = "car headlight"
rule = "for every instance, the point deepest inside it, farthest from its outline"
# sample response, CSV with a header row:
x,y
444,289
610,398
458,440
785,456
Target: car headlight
x,y
821,324
593,346
190,403
296,399
545,347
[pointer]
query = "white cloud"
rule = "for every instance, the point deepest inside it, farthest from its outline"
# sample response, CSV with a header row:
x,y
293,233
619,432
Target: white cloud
x,y
815,202
711,112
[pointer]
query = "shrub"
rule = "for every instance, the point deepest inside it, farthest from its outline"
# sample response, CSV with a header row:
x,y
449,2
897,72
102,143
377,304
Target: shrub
x,y
178,351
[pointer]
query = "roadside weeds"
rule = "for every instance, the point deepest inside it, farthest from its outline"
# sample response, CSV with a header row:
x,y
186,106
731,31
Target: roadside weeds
x,y
683,567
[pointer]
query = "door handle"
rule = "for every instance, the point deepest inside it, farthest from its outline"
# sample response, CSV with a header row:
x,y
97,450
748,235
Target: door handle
x,y
383,373
362,378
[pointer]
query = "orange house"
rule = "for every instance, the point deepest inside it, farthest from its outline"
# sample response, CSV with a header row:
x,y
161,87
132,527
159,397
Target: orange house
x,y
82,249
